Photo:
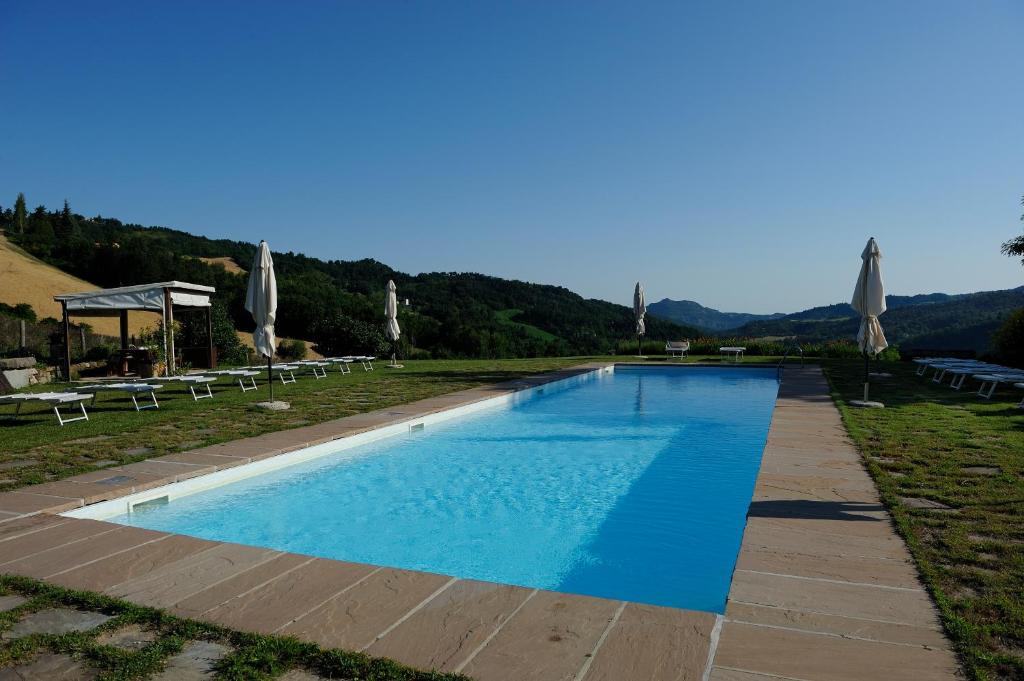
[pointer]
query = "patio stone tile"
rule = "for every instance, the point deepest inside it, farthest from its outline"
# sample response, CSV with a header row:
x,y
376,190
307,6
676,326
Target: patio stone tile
x,y
654,644
115,478
819,657
355,618
912,634
177,581
131,637
216,594
126,565
720,674
165,471
89,492
22,525
882,571
200,459
11,601
55,621
49,538
194,663
49,667
549,639
53,561
26,501
292,595
445,631
801,541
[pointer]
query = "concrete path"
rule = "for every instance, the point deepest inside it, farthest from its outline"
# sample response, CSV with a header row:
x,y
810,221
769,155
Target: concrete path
x,y
823,591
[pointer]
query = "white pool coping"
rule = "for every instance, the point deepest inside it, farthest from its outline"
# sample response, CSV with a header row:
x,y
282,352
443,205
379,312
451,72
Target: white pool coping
x,y
167,493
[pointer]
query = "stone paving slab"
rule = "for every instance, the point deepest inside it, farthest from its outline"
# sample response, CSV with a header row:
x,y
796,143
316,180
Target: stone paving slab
x,y
11,602
50,667
290,596
194,663
55,621
131,637
461,618
549,639
236,586
173,583
355,618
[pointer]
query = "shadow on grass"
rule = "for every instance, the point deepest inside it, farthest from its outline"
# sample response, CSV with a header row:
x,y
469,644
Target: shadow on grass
x,y
815,510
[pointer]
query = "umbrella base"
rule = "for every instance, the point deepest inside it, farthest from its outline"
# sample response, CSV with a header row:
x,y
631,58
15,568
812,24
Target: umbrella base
x,y
276,405
394,366
866,404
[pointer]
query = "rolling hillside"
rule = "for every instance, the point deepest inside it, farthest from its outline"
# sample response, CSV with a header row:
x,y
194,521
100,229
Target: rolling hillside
x,y
338,304
933,321
26,279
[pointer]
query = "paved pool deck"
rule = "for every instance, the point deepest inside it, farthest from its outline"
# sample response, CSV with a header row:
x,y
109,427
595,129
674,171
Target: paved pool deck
x,y
824,590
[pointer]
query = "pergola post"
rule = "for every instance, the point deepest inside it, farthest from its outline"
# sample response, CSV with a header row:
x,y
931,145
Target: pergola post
x,y
209,337
67,340
124,329
169,330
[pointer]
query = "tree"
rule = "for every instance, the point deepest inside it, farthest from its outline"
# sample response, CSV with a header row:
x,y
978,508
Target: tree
x,y
1008,341
39,234
67,225
1015,247
19,214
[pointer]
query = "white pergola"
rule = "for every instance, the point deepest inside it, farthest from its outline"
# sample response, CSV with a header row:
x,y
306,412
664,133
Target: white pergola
x,y
161,297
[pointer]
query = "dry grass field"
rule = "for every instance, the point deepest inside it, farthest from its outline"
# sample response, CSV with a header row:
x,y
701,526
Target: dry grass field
x,y
25,279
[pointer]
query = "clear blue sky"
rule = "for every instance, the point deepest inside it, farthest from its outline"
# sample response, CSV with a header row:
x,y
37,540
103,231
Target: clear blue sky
x,y
738,153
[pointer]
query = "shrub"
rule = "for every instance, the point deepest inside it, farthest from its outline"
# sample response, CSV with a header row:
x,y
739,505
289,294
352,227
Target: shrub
x,y
340,334
291,350
1008,340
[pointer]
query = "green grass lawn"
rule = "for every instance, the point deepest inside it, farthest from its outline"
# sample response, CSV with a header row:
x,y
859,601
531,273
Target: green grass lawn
x,y
931,442
253,656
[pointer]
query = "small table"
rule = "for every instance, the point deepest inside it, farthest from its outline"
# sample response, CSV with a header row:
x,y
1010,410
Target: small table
x,y
735,351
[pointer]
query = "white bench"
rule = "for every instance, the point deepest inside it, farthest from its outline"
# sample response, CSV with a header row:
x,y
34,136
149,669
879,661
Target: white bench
x,y
994,380
735,351
677,348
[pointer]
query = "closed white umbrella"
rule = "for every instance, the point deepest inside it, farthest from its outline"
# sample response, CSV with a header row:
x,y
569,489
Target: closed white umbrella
x,y
261,302
391,315
869,301
639,310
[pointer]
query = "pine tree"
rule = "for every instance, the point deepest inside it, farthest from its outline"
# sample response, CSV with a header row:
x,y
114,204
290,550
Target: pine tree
x,y
20,216
67,225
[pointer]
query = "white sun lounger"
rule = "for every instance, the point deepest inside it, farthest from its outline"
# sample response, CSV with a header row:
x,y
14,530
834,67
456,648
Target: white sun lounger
x,y
55,400
1021,386
132,389
993,381
191,382
365,360
342,362
239,374
318,367
281,370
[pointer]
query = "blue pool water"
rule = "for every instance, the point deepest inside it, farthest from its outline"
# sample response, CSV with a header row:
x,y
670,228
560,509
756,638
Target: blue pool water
x,y
630,485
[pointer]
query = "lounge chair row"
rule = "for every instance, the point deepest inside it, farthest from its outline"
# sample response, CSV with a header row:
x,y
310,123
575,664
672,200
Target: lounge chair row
x,y
989,376
79,395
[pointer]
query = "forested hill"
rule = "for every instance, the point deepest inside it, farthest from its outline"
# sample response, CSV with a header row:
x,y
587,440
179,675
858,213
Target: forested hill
x,y
933,321
339,302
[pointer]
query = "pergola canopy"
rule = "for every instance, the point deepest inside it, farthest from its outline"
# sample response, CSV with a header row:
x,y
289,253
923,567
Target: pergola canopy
x,y
142,297
160,297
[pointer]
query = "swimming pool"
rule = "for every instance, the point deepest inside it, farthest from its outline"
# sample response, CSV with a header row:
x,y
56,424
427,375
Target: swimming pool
x,y
630,484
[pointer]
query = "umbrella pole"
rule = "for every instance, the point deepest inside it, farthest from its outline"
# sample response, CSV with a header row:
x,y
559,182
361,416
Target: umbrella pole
x,y
270,378
639,346
865,376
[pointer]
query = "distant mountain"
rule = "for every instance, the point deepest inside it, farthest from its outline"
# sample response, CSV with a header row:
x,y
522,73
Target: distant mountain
x,y
690,313
934,321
